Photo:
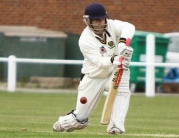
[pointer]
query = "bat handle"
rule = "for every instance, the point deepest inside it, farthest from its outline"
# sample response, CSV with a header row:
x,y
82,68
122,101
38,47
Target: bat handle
x,y
120,66
120,60
128,40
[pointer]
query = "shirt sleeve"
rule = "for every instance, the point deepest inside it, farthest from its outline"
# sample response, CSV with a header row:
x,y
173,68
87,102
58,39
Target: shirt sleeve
x,y
122,29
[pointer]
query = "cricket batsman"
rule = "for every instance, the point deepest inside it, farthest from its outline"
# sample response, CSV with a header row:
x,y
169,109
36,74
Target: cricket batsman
x,y
103,44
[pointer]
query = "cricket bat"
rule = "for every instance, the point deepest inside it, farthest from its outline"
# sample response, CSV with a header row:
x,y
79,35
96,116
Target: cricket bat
x,y
108,105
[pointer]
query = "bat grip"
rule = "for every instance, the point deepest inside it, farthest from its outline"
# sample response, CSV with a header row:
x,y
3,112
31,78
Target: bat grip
x,y
128,40
122,58
120,66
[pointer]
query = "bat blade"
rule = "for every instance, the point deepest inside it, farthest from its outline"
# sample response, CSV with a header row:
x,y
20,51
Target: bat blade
x,y
108,105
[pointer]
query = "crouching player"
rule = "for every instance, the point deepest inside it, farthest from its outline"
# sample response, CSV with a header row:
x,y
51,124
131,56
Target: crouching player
x,y
102,43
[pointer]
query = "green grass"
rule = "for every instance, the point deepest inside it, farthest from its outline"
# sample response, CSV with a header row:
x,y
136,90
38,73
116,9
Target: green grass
x,y
31,115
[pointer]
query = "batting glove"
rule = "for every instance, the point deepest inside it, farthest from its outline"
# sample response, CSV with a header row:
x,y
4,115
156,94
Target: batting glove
x,y
120,60
125,51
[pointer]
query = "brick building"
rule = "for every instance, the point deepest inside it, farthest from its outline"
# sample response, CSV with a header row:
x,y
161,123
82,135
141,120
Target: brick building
x,y
147,15
66,16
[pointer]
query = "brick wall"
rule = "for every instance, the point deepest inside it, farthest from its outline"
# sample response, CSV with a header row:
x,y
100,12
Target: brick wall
x,y
66,15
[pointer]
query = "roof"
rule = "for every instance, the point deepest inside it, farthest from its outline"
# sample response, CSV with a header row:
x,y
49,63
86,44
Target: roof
x,y
30,31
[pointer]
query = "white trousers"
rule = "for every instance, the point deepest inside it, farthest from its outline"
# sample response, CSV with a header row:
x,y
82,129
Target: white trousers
x,y
92,89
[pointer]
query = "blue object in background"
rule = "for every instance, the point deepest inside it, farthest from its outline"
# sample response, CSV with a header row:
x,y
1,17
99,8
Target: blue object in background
x,y
172,76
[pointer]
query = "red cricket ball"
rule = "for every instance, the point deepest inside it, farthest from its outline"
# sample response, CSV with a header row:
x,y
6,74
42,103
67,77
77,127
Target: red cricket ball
x,y
83,100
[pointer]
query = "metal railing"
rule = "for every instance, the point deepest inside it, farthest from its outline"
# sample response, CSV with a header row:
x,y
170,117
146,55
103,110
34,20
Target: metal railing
x,y
149,63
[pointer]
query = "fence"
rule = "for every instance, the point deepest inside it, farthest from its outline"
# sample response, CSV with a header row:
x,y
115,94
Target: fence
x,y
150,66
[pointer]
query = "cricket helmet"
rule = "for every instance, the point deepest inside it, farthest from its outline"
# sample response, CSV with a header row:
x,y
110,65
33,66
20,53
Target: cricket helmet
x,y
94,11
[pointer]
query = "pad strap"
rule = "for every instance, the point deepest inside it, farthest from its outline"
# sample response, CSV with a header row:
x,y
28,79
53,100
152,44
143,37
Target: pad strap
x,y
71,123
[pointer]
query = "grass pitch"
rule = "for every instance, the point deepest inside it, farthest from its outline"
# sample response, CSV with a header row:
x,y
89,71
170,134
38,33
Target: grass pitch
x,y
31,115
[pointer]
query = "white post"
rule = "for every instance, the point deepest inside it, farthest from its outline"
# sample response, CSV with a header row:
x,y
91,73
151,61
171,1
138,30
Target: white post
x,y
150,69
11,79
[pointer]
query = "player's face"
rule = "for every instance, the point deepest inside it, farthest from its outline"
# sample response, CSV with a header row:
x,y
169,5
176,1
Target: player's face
x,y
98,25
